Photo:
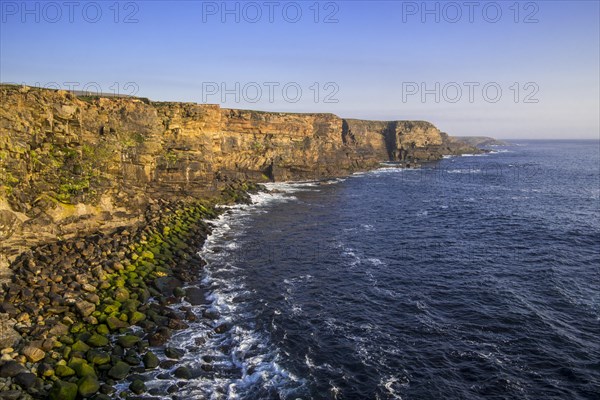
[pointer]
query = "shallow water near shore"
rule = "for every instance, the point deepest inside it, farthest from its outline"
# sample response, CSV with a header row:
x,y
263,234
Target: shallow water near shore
x,y
473,277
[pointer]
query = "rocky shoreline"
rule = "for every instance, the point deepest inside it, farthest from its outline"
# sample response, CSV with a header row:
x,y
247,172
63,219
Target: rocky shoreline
x,y
97,264
85,314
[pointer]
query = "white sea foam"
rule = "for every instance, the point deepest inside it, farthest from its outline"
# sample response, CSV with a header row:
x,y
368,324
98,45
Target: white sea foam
x,y
393,384
332,181
389,170
464,171
376,261
249,351
354,260
280,191
386,292
474,155
309,363
335,391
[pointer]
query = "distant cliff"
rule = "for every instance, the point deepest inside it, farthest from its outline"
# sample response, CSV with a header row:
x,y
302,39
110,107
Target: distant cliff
x,y
70,165
481,141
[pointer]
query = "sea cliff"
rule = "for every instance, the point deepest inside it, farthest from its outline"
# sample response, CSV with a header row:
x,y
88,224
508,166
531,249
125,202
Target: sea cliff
x,y
71,165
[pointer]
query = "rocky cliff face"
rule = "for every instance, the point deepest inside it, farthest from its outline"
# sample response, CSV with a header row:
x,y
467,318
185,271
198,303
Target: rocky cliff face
x,y
70,165
404,141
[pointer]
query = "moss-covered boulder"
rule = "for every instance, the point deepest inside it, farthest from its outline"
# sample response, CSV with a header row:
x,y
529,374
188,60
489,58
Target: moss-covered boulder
x,y
88,385
147,254
97,340
121,294
102,330
128,341
136,317
98,357
80,346
112,308
63,391
151,361
67,340
137,387
77,327
63,371
115,323
81,367
119,370
182,373
130,305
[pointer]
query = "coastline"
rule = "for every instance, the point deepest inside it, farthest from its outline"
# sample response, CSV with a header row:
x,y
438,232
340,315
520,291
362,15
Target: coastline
x,y
73,165
79,307
88,243
86,316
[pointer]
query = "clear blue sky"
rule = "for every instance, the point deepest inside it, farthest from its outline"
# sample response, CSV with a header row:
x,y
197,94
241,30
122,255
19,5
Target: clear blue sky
x,y
374,58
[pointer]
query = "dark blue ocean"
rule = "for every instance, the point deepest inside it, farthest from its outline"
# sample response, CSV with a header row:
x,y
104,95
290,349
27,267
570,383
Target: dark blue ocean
x,y
476,277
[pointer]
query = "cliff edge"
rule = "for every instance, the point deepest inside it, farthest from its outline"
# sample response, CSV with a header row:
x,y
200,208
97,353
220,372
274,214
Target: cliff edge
x,y
70,165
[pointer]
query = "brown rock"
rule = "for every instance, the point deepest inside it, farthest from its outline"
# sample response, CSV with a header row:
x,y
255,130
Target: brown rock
x,y
88,287
159,337
8,336
85,308
33,354
59,329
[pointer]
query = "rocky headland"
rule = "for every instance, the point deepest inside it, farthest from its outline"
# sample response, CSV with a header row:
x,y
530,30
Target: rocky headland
x,y
104,203
481,141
